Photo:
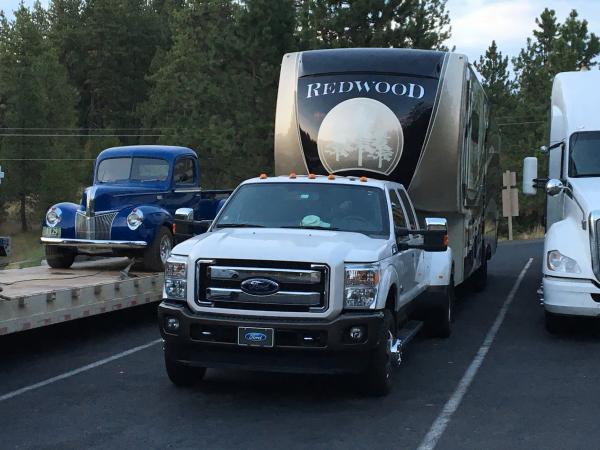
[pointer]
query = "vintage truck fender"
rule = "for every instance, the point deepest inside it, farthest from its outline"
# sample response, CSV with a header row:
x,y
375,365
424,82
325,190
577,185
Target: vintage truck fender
x,y
154,218
67,221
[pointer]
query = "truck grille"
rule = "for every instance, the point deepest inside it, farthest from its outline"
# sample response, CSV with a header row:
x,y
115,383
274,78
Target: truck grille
x,y
95,227
300,287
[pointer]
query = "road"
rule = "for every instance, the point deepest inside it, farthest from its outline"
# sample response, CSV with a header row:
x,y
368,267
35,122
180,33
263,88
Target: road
x,y
527,389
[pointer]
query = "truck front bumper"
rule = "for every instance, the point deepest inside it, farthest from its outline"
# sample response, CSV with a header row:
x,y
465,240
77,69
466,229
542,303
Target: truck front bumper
x,y
571,297
210,340
92,243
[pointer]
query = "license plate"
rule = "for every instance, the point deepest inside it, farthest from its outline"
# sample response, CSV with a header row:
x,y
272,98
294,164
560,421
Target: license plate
x,y
256,337
53,232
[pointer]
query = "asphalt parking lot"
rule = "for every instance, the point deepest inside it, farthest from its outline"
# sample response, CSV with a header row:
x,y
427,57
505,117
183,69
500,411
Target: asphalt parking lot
x,y
501,381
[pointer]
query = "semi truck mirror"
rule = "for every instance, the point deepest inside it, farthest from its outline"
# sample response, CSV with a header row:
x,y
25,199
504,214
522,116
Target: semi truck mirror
x,y
530,169
554,187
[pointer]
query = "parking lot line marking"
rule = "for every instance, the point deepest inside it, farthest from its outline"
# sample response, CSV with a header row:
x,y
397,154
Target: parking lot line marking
x,y
77,371
439,426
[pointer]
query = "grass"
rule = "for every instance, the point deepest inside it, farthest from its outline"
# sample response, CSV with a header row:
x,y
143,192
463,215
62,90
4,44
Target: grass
x,y
26,250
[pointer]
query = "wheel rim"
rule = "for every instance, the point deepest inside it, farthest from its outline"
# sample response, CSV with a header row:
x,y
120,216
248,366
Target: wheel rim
x,y
388,364
165,248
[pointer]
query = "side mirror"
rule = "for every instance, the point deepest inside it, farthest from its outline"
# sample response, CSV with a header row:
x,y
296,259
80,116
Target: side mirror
x,y
530,169
184,214
554,187
435,237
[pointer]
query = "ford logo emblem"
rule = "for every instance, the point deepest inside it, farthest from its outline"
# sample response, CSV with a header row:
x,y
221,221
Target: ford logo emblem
x,y
255,336
259,286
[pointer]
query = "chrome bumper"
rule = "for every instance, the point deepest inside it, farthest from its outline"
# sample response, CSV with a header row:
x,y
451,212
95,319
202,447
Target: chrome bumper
x,y
93,243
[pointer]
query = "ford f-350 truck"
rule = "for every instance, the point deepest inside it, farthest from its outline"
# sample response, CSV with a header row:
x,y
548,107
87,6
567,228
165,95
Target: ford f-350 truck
x,y
309,274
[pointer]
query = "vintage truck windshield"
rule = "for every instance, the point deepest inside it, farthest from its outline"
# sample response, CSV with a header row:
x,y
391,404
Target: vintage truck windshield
x,y
584,154
115,170
335,207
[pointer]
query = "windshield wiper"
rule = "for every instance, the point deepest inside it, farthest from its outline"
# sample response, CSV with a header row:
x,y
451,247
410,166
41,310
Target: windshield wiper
x,y
310,227
238,225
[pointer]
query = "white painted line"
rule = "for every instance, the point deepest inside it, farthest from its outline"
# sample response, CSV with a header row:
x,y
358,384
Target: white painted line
x,y
439,426
77,371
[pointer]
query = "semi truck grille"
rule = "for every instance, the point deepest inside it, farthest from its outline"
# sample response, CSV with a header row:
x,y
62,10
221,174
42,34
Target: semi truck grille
x,y
286,286
95,227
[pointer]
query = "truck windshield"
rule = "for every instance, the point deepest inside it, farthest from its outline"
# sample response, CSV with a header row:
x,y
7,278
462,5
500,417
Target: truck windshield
x,y
335,207
115,170
584,156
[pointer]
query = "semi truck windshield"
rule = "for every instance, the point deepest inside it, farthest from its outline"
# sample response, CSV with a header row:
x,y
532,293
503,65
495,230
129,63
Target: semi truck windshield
x,y
360,209
584,154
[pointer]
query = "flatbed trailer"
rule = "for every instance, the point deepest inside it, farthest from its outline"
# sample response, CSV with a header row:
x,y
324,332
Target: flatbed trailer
x,y
40,296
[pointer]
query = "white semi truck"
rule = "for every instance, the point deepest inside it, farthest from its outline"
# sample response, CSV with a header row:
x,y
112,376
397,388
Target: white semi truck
x,y
326,267
571,262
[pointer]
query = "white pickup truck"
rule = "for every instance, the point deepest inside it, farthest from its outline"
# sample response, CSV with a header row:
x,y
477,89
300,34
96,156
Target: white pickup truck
x,y
307,274
571,262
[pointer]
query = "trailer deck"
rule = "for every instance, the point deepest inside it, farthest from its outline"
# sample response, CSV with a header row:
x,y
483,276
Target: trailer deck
x,y
40,296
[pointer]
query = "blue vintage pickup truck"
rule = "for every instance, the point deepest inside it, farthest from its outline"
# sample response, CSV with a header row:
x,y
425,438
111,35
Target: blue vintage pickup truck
x,y
130,209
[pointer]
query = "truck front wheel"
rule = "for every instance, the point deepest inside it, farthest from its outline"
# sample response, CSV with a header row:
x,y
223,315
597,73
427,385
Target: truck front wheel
x,y
381,368
182,375
59,258
156,255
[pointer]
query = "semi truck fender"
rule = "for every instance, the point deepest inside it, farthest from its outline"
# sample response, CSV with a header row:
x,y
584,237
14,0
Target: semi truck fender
x,y
568,237
389,278
438,267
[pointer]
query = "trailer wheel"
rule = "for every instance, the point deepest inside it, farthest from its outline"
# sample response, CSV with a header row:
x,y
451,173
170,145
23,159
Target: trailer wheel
x,y
156,255
182,375
440,322
381,368
59,258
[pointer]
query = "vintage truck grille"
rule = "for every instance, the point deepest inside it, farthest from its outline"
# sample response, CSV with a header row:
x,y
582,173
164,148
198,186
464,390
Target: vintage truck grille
x,y
94,227
302,287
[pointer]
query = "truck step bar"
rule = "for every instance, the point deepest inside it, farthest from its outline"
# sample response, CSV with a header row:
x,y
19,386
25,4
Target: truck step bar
x,y
405,335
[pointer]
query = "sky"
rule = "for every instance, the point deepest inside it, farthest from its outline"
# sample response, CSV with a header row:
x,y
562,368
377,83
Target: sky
x,y
475,23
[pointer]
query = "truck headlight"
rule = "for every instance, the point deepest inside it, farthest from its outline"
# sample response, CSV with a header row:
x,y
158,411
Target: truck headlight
x,y
558,262
53,216
135,219
176,278
360,285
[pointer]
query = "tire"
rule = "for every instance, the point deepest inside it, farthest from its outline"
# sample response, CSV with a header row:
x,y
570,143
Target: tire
x,y
479,277
381,368
182,375
59,258
555,324
156,255
441,316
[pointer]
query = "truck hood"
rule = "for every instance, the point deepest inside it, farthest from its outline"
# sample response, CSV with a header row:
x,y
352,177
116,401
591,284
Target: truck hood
x,y
587,191
113,196
330,247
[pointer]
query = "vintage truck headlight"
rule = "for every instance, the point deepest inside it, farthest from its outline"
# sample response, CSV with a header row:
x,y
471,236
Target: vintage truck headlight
x,y
360,285
53,216
135,219
558,262
175,278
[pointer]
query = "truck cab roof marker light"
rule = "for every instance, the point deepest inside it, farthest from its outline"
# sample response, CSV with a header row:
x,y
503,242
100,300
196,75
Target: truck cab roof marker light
x,y
311,176
293,175
363,179
331,176
263,176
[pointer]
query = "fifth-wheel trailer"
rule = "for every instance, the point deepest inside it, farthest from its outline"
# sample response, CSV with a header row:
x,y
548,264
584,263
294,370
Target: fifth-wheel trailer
x,y
419,118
